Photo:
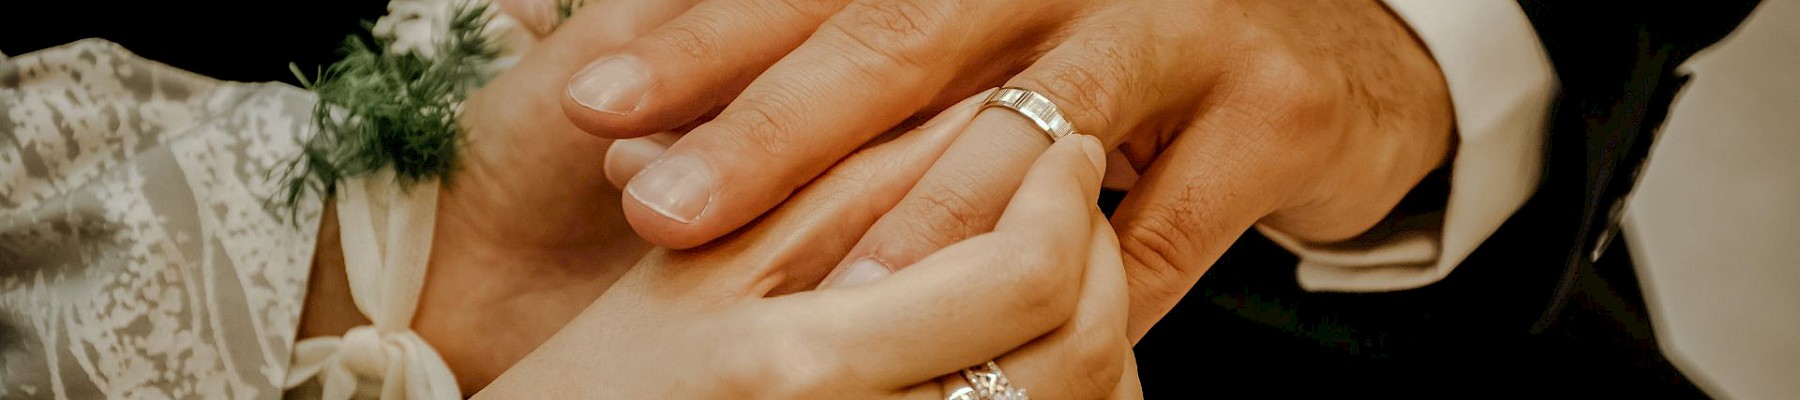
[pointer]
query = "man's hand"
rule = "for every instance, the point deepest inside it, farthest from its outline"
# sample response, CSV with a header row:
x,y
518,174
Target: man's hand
x,y
1312,118
722,321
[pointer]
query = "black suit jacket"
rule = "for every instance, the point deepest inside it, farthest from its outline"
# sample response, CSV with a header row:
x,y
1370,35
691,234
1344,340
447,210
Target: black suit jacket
x,y
1617,63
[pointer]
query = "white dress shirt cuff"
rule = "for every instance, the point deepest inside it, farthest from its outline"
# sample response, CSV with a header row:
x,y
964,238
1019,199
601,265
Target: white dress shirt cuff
x,y
1501,83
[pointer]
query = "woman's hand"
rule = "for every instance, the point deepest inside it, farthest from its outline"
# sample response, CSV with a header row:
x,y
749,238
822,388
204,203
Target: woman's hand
x,y
528,235
528,232
1313,118
1042,294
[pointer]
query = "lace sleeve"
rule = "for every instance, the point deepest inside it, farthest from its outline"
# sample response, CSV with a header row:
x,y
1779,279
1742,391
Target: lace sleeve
x,y
137,259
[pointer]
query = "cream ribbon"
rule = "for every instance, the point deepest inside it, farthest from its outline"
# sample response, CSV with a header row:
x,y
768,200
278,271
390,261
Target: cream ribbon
x,y
386,360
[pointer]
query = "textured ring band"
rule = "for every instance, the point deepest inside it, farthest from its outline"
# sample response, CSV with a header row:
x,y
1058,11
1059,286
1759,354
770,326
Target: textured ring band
x,y
1034,107
986,382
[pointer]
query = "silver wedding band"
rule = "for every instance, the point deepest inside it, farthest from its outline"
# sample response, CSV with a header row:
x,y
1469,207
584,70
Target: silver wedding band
x,y
986,382
1034,107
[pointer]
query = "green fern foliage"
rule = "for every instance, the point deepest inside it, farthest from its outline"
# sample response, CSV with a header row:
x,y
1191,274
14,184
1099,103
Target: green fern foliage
x,y
379,109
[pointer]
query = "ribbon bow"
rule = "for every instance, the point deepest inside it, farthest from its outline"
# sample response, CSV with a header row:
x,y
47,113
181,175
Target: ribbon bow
x,y
386,360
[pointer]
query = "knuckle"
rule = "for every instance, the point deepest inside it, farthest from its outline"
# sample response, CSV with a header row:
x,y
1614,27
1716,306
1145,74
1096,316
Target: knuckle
x,y
1081,89
949,212
1101,363
1296,96
1099,351
896,23
1036,265
760,131
894,31
814,10
693,39
955,205
763,123
1152,244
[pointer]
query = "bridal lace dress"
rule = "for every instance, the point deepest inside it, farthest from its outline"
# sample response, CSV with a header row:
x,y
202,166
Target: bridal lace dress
x,y
139,257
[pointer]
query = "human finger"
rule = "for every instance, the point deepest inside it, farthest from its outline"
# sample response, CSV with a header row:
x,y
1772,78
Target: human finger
x,y
870,66
1084,358
968,303
673,296
625,157
1103,80
688,66
518,135
792,247
1130,387
1203,192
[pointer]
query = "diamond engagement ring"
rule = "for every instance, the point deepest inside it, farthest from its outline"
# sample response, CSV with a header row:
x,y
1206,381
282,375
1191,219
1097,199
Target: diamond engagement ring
x,y
1034,107
986,382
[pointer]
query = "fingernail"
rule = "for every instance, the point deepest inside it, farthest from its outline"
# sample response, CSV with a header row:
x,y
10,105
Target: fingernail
x,y
678,187
628,156
1096,156
862,271
614,85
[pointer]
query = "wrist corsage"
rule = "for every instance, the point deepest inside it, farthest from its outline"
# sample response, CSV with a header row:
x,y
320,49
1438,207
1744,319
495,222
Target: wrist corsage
x,y
393,101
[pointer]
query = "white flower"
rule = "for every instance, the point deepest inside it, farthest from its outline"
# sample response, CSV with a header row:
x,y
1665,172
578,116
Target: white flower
x,y
416,27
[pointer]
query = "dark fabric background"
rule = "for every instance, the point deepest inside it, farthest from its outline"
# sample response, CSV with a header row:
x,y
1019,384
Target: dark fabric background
x,y
249,41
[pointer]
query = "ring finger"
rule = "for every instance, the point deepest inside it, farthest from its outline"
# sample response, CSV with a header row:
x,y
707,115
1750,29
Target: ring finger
x,y
1104,79
869,66
1083,359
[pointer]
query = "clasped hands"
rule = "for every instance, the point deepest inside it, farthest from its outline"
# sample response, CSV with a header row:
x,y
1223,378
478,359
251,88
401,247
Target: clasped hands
x,y
751,136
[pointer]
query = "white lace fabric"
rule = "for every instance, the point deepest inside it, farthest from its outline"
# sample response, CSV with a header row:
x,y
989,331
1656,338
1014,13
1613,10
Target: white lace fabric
x,y
138,258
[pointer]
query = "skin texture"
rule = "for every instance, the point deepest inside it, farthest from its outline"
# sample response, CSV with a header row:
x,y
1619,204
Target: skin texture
x,y
1313,118
713,322
518,250
525,267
